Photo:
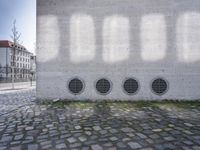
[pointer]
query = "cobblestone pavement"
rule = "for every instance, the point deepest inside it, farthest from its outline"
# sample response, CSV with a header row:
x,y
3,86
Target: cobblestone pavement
x,y
99,127
12,99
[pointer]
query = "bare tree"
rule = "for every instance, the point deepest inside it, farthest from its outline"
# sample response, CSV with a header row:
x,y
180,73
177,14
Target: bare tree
x,y
15,38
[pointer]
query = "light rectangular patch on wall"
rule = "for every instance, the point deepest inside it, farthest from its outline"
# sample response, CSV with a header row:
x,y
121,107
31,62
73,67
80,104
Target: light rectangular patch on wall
x,y
153,37
82,38
188,37
49,38
116,39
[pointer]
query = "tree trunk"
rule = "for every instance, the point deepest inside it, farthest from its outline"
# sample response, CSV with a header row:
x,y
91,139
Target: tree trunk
x,y
13,86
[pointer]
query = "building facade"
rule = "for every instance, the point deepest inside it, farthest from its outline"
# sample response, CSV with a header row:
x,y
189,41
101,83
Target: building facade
x,y
33,67
118,49
23,63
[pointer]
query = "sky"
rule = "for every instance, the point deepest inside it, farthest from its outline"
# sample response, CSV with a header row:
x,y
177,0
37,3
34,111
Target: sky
x,y
24,11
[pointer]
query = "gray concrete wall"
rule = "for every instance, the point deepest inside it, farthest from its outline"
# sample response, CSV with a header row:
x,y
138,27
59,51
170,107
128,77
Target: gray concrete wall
x,y
116,39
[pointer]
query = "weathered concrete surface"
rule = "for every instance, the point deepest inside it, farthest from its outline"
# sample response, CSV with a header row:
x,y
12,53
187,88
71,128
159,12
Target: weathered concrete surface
x,y
117,39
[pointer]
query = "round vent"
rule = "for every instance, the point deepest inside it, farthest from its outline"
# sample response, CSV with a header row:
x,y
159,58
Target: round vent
x,y
159,86
103,86
75,86
131,86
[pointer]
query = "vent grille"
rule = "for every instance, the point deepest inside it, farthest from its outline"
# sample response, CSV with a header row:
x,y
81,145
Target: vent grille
x,y
131,86
103,86
76,86
159,86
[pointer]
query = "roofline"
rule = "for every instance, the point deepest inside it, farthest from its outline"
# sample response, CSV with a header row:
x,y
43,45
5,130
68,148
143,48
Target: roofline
x,y
9,44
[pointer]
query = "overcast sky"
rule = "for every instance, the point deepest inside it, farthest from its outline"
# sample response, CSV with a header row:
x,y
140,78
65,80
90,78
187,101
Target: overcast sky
x,y
24,11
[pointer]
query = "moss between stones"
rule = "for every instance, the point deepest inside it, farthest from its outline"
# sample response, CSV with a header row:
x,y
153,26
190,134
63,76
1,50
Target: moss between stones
x,y
128,105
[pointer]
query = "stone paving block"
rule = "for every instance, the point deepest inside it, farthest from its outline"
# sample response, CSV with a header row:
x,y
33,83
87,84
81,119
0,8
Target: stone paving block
x,y
97,128
96,147
121,145
29,128
65,136
113,138
77,127
113,131
29,138
109,144
154,136
185,147
188,124
169,146
82,138
141,135
27,141
150,141
3,148
32,146
88,133
60,146
18,137
89,142
188,132
127,129
196,147
6,138
126,139
130,134
85,148
169,138
157,130
16,148
112,148
75,145
103,131
71,140
47,146
134,145
148,148
188,142
93,137
45,143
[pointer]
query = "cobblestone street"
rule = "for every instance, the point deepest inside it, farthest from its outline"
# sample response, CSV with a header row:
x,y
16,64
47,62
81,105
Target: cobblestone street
x,y
13,99
27,125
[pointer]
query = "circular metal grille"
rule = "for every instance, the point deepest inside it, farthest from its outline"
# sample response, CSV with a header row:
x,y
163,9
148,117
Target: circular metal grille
x,y
103,86
159,86
131,86
75,86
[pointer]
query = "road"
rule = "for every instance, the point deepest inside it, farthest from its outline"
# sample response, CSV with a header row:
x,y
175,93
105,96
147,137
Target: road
x,y
18,85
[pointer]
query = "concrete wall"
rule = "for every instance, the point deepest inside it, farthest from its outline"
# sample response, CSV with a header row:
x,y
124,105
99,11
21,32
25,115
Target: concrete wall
x,y
116,39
